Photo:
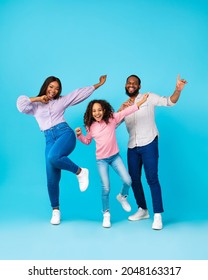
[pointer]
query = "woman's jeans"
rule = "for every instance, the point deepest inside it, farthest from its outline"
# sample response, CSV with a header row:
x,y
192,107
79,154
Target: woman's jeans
x,y
60,142
148,157
117,164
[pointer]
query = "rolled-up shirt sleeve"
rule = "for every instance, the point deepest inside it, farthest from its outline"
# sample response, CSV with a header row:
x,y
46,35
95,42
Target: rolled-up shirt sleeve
x,y
170,103
161,100
24,105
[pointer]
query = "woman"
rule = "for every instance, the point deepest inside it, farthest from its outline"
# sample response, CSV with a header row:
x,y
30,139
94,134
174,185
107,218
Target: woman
x,y
48,108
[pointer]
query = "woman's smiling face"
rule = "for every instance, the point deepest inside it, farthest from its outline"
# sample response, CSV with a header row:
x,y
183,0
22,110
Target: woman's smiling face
x,y
52,90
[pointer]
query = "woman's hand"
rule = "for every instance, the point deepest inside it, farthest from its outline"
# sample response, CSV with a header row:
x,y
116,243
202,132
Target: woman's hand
x,y
102,81
42,99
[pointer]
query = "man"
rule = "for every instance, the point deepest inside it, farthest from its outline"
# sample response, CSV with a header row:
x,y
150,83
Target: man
x,y
143,146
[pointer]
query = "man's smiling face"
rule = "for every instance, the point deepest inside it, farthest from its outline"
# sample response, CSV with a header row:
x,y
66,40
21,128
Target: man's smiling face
x,y
132,86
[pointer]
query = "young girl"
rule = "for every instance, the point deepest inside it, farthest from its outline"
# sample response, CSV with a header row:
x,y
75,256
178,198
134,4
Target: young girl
x,y
100,123
48,108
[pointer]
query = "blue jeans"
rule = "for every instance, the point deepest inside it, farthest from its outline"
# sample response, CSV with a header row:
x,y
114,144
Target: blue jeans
x,y
117,164
60,142
146,156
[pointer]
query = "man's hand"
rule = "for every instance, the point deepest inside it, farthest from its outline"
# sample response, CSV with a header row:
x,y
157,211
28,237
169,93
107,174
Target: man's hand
x,y
180,83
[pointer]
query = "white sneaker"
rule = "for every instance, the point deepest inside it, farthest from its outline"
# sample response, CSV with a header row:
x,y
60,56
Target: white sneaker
x,y
124,203
139,215
157,223
106,220
83,179
56,217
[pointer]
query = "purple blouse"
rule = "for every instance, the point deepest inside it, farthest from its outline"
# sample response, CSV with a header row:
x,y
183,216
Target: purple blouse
x,y
52,113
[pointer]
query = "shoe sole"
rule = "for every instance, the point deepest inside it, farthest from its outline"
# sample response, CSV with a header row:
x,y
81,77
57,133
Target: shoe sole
x,y
106,226
127,210
55,224
142,218
157,228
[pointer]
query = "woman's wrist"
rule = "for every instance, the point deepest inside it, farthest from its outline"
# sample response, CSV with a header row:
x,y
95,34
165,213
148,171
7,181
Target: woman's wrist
x,y
34,99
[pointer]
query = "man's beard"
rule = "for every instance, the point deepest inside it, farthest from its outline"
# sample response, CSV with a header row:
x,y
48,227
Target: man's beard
x,y
132,94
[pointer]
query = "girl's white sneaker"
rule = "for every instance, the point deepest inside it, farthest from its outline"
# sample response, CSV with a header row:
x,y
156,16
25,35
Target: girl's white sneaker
x,y
106,220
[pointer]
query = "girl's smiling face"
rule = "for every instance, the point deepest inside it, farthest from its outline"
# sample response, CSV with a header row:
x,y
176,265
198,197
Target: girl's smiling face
x,y
97,112
52,90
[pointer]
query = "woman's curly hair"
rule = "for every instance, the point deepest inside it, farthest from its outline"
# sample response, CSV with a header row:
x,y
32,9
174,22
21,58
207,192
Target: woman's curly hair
x,y
107,108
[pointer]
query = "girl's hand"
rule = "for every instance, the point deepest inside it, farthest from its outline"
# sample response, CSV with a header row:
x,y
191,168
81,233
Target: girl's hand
x,y
144,98
78,131
125,105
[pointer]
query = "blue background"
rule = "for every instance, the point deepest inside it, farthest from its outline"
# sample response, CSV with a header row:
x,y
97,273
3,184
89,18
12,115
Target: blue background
x,y
78,41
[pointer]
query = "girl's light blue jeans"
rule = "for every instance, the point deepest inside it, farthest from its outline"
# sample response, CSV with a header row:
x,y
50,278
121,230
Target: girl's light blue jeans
x,y
60,142
117,164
